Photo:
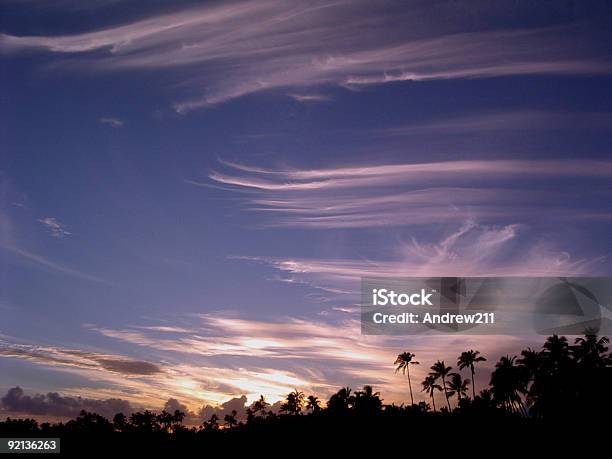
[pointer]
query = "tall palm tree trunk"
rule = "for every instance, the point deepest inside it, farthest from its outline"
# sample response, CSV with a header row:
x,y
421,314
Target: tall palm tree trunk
x,y
433,402
410,386
473,385
446,394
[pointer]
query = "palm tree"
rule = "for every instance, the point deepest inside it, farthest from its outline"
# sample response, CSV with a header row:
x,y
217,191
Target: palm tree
x,y
507,385
530,364
429,387
341,401
231,420
120,422
313,404
293,403
590,350
530,360
467,359
367,401
556,350
457,385
212,423
403,362
440,370
260,405
165,420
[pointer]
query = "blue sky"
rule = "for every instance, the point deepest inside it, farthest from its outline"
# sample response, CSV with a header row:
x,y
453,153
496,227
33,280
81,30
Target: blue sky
x,y
191,192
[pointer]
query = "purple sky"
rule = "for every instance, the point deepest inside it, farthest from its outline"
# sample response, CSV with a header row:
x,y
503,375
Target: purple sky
x,y
191,192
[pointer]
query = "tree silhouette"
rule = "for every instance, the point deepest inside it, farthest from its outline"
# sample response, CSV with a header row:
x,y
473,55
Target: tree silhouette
x,y
165,420
341,401
440,370
467,359
177,419
212,423
591,351
231,420
293,403
530,361
507,385
457,385
554,382
91,423
260,406
429,387
367,401
120,422
145,422
556,350
313,404
403,362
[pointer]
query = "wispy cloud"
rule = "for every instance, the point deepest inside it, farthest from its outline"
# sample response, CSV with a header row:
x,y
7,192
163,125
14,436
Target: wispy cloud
x,y
305,98
47,264
112,122
518,121
232,49
470,250
407,194
55,227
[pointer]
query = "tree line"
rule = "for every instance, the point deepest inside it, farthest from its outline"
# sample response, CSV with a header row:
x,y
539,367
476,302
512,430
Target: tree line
x,y
558,380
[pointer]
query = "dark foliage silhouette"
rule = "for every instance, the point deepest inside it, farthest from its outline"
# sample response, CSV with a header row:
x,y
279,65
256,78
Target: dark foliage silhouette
x,y
467,359
562,381
430,387
440,371
403,362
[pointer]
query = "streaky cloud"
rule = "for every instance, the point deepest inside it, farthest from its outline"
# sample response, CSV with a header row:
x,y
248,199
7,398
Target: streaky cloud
x,y
56,356
45,263
246,47
409,194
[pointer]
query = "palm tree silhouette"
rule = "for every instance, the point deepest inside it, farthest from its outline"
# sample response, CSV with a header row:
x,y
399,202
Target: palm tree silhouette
x,y
367,401
440,370
313,404
530,364
457,385
429,387
120,422
467,359
293,403
212,423
403,362
260,406
231,419
556,350
507,385
341,401
590,350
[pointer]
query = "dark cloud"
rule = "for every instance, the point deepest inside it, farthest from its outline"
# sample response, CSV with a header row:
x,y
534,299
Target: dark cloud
x,y
54,404
131,367
173,404
191,418
81,359
236,403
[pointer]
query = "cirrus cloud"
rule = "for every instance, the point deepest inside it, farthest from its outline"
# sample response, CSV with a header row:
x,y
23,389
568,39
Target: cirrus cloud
x,y
219,52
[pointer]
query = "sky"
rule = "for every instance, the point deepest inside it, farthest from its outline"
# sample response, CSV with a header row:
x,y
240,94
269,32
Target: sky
x,y
190,192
